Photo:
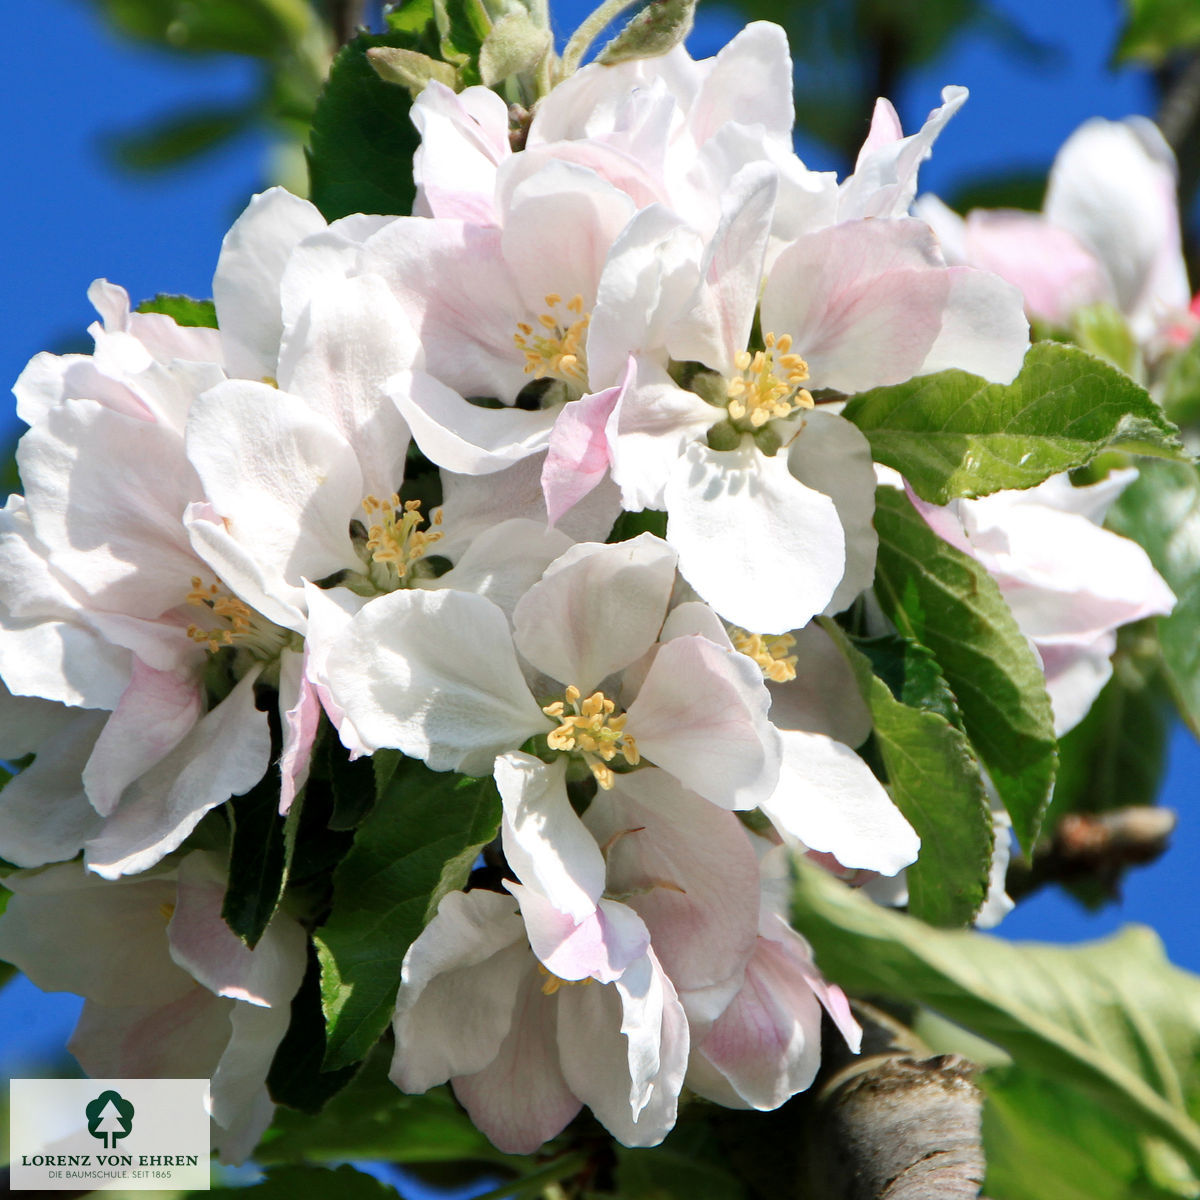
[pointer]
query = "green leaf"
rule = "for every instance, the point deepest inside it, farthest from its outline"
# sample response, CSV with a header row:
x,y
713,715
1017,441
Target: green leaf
x,y
945,600
658,28
1181,385
352,783
1160,511
911,673
183,310
1100,329
674,1170
934,780
362,141
373,1119
1044,1138
311,1183
418,843
178,138
1112,1018
462,27
257,860
1158,28
1115,757
252,27
954,434
295,1077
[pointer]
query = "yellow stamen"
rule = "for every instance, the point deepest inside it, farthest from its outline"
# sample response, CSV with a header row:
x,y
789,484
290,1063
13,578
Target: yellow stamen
x,y
560,352
769,651
239,623
167,909
393,537
769,384
551,983
593,731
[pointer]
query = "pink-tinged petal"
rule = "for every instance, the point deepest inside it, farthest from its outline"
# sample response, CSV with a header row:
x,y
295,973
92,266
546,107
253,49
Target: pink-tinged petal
x,y
649,282
48,645
885,176
236,564
124,546
177,1039
241,1106
701,715
282,478
717,327
300,709
831,456
464,139
71,932
824,697
863,301
545,843
559,224
1113,185
829,800
156,712
1075,675
226,754
624,1051
1056,274
885,129
49,379
503,562
329,614
656,422
346,344
984,329
26,722
598,947
249,272
832,998
689,872
472,504
45,815
462,436
459,984
323,260
765,551
434,673
948,227
766,1046
618,165
578,456
750,80
203,944
452,280
694,617
597,609
521,1099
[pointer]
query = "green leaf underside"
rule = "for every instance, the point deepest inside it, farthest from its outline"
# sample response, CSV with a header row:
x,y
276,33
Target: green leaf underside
x,y
373,1119
418,843
257,860
1113,1018
935,782
945,600
183,310
953,434
313,1183
362,141
1043,1138
1161,512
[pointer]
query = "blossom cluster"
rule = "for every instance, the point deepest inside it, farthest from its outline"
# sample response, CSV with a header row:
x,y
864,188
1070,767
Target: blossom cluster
x,y
547,482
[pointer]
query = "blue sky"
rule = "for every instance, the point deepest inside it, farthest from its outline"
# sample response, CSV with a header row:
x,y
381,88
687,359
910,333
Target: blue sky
x,y
72,218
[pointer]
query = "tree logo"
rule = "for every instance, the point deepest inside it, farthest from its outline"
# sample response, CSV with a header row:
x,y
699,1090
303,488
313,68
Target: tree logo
x,y
109,1117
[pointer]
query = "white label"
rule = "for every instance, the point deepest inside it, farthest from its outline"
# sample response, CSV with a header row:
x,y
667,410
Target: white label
x,y
90,1134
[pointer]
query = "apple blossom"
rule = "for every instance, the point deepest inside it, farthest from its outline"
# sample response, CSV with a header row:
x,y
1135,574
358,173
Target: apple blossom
x,y
170,990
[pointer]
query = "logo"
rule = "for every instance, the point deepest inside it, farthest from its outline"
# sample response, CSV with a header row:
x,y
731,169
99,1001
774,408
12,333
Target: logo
x,y
109,1117
97,1135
